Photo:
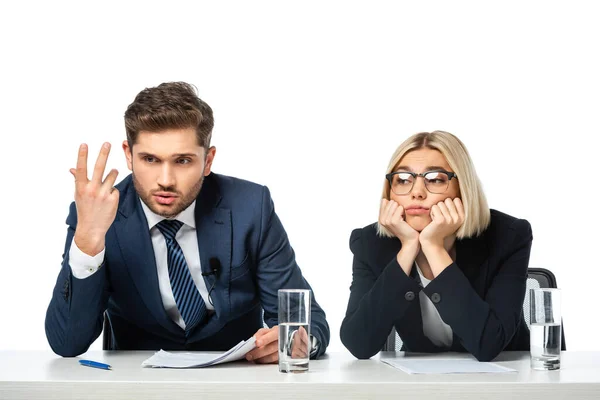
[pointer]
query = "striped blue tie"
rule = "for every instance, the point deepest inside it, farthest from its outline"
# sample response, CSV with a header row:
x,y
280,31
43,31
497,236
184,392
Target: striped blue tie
x,y
189,302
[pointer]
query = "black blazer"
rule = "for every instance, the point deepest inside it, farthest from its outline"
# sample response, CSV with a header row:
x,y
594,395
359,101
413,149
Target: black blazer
x,y
480,295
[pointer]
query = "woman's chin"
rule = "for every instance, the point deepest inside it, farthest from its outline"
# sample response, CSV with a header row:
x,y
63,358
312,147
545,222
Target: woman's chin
x,y
418,223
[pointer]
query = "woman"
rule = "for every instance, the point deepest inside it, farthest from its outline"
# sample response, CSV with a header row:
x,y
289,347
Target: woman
x,y
441,267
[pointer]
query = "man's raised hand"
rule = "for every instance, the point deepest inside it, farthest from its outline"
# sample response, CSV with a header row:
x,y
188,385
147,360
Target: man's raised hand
x,y
96,201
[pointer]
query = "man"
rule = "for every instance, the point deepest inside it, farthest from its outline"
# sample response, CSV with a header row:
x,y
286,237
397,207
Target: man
x,y
179,257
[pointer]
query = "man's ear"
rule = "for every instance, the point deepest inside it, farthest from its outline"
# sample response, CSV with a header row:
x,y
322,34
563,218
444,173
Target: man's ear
x,y
210,156
128,154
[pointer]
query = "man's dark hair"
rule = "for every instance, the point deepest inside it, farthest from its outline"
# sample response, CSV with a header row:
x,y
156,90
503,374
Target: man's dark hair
x,y
171,105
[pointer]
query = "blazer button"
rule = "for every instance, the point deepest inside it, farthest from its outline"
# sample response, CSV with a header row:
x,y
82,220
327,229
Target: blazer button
x,y
436,298
65,291
410,296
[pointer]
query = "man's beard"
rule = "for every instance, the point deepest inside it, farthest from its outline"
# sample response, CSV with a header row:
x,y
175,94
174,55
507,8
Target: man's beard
x,y
184,200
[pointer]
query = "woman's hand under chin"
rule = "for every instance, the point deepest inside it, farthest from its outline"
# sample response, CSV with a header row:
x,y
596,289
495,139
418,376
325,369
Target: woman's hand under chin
x,y
391,217
446,218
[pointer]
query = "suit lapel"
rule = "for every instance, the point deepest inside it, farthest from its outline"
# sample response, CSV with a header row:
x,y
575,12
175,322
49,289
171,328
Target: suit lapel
x,y
136,247
214,232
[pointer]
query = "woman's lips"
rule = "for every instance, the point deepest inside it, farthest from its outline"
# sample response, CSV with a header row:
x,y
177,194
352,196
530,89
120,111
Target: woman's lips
x,y
417,211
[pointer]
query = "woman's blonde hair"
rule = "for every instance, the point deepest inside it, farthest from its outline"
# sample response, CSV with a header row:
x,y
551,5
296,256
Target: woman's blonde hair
x,y
477,212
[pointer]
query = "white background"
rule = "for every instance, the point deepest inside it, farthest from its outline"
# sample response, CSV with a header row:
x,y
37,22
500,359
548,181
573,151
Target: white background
x,y
310,98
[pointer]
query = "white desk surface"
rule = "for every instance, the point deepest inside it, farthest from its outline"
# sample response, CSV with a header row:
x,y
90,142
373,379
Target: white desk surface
x,y
43,375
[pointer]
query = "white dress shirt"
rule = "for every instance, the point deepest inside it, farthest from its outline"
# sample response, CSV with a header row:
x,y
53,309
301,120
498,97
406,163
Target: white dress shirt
x,y
83,265
434,326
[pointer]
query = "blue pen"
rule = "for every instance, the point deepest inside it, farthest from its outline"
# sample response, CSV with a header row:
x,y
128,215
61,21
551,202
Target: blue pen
x,y
94,364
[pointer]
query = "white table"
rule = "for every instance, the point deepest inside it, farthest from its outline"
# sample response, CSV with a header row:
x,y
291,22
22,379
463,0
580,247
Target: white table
x,y
43,375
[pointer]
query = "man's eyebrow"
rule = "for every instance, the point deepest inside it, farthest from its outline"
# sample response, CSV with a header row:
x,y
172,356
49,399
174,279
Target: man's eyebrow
x,y
184,155
145,154
178,155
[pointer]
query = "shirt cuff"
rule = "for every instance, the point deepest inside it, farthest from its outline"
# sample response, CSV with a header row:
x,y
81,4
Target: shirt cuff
x,y
83,265
314,346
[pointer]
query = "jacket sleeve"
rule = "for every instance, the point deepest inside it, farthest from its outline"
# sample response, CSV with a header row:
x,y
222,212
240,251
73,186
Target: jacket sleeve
x,y
376,303
486,326
277,269
74,316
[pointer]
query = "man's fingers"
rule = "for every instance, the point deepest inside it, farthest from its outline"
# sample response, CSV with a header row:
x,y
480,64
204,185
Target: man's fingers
x,y
266,344
299,352
73,172
114,192
101,163
268,337
300,344
302,332
261,332
109,182
262,352
265,350
269,358
81,170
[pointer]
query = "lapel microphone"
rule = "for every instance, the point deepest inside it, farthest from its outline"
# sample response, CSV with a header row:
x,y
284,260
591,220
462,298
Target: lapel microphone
x,y
215,269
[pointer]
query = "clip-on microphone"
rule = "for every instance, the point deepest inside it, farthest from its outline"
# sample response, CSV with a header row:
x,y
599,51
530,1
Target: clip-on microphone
x,y
215,269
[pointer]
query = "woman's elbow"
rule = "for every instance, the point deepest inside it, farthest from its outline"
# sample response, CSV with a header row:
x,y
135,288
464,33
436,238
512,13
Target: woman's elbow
x,y
359,351
358,347
485,355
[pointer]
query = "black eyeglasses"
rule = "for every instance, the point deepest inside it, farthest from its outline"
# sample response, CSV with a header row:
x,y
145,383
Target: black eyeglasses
x,y
436,182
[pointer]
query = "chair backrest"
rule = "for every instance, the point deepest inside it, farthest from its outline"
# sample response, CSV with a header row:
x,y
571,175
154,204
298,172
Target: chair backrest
x,y
540,278
536,278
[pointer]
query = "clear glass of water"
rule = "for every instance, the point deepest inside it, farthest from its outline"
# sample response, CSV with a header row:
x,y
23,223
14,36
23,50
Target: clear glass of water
x,y
294,329
545,329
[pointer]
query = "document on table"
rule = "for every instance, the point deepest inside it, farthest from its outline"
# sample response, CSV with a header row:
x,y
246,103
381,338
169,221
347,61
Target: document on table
x,y
164,359
445,366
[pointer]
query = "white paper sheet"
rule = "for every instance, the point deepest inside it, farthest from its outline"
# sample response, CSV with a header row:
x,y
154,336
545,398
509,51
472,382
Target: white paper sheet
x,y
164,359
445,366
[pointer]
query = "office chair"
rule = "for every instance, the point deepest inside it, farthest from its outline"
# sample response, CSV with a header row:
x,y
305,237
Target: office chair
x,y
536,278
540,278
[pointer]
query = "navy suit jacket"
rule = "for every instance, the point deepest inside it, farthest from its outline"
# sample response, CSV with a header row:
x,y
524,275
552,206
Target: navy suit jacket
x,y
235,222
480,295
